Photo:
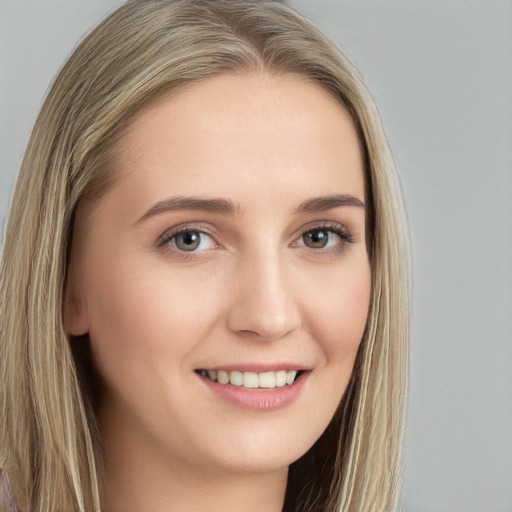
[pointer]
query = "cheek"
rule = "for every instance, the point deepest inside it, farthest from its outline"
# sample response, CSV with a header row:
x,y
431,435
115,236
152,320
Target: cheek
x,y
339,315
146,317
337,319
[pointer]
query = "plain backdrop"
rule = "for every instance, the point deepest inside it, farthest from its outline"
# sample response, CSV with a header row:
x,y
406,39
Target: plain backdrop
x,y
441,74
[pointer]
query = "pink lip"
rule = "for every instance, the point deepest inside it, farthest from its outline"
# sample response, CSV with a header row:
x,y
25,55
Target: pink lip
x,y
258,399
258,367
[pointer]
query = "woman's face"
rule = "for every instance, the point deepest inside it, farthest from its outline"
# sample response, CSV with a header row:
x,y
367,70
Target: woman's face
x,y
230,248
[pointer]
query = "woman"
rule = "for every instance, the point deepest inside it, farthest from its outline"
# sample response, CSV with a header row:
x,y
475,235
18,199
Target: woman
x,y
204,275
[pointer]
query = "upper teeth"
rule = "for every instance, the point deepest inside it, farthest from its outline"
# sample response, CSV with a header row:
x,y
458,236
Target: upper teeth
x,y
252,380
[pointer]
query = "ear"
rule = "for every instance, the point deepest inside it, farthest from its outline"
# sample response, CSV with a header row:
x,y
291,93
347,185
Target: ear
x,y
74,316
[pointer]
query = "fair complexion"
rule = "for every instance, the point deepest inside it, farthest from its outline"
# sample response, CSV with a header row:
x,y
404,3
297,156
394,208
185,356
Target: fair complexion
x,y
232,241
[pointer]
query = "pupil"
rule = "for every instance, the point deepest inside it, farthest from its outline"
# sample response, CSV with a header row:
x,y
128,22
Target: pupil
x,y
317,239
188,241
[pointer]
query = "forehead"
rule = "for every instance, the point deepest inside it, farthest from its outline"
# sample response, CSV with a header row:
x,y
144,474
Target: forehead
x,y
240,134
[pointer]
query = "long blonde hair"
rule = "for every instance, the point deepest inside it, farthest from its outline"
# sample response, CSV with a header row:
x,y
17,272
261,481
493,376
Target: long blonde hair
x,y
146,49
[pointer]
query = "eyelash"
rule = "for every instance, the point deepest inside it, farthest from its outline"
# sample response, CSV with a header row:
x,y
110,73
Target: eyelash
x,y
334,228
329,227
169,235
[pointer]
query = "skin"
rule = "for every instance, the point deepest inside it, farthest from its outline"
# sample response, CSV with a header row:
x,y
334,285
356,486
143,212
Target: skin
x,y
254,291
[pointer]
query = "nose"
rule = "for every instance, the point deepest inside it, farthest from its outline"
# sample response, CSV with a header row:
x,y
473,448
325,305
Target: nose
x,y
264,305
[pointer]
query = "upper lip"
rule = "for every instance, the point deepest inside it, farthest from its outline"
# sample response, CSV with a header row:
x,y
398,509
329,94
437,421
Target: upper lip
x,y
257,367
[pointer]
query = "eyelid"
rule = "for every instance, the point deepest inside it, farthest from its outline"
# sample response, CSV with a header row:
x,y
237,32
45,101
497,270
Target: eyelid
x,y
333,227
327,225
199,227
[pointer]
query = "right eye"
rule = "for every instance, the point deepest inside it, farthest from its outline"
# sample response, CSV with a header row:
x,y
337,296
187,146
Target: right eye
x,y
189,241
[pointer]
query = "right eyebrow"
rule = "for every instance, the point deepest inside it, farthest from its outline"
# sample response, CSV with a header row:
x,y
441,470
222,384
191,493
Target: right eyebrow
x,y
215,205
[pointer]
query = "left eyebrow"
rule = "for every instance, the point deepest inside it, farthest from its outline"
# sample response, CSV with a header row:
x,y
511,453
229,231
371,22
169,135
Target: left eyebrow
x,y
322,203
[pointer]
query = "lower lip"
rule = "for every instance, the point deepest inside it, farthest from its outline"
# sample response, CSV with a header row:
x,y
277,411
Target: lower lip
x,y
258,399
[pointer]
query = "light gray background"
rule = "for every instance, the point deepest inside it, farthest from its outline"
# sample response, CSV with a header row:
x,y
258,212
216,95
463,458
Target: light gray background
x,y
441,74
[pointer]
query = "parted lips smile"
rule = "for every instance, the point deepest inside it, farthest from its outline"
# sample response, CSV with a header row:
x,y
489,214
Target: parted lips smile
x,y
252,380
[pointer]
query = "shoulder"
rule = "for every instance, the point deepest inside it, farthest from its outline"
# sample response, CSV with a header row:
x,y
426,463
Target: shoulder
x,y
7,503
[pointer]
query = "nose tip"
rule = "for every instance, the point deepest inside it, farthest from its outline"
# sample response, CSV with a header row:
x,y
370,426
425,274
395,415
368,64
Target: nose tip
x,y
266,327
264,306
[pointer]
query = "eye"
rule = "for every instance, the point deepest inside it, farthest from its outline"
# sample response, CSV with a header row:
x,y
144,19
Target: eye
x,y
317,239
189,241
324,238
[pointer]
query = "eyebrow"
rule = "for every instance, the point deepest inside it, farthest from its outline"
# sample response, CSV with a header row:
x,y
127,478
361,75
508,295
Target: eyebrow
x,y
215,205
224,206
322,203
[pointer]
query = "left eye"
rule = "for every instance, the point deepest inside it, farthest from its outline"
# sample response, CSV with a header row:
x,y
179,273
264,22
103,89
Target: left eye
x,y
320,238
191,241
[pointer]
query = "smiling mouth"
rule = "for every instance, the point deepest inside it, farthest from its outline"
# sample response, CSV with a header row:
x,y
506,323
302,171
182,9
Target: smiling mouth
x,y
252,380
